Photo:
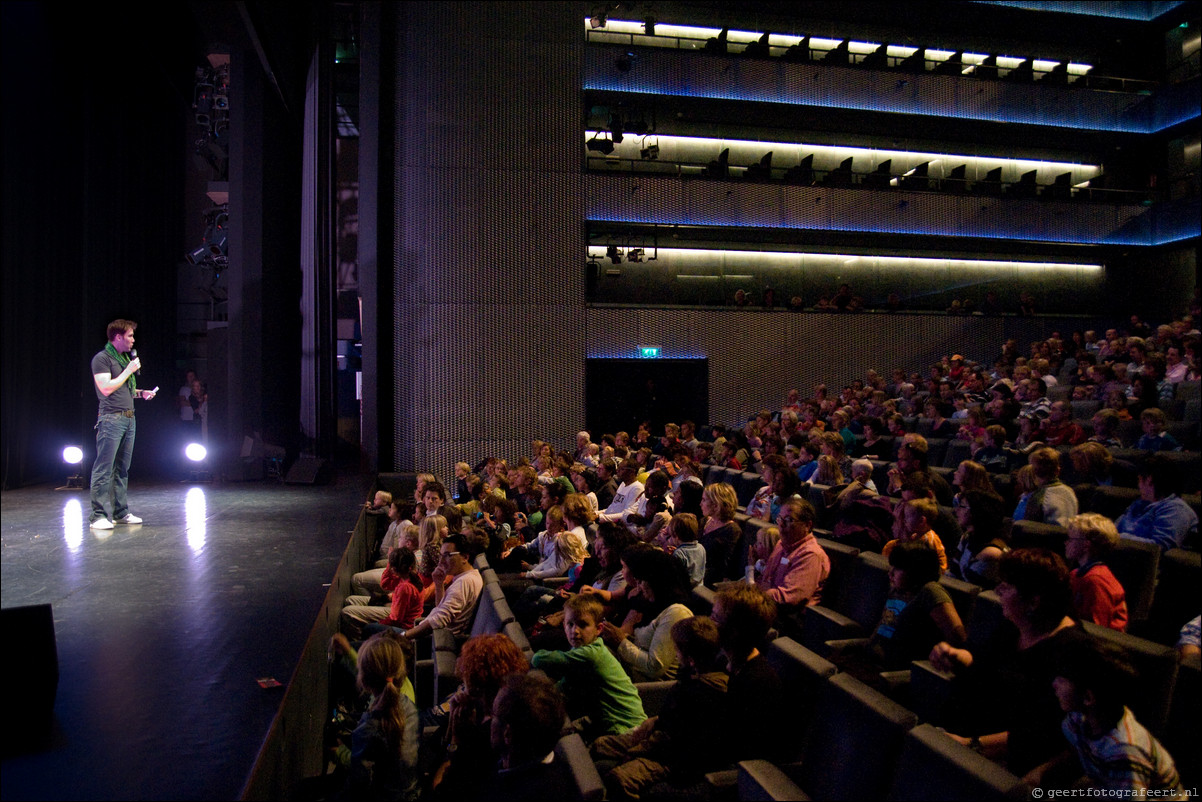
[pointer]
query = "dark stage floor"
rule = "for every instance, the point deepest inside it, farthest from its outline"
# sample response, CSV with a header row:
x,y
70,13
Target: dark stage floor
x,y
164,628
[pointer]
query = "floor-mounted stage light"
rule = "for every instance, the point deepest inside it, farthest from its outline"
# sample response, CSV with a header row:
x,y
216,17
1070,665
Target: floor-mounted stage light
x,y
73,456
197,454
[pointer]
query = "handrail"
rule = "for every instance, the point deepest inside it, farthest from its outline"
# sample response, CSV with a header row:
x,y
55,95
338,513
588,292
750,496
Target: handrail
x,y
858,180
777,52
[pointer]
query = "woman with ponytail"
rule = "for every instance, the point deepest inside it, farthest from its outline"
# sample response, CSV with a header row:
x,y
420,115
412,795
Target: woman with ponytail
x,y
384,745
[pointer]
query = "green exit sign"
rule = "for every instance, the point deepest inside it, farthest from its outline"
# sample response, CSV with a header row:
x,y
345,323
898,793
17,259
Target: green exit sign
x,y
649,351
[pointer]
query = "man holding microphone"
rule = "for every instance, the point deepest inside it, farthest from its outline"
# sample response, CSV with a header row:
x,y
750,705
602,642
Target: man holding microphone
x,y
114,370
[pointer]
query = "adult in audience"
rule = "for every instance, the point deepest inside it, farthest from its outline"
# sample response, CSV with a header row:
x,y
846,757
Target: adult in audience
x,y
454,604
485,663
1160,515
912,458
626,498
981,515
1023,728
798,566
643,642
721,536
744,615
527,719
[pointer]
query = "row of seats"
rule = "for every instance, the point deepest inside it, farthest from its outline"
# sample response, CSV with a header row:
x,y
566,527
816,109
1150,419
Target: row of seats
x,y
854,742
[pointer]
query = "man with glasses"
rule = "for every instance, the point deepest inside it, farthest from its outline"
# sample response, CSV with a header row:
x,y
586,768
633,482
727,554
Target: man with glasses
x,y
454,604
798,566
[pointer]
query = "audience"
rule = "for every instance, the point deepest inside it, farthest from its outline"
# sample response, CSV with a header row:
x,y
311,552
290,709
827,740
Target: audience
x,y
693,537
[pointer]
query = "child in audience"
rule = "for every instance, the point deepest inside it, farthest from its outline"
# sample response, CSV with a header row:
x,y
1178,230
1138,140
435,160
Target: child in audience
x,y
918,613
378,505
596,686
383,758
430,534
766,539
687,738
402,582
1094,681
1097,594
1155,438
916,519
683,545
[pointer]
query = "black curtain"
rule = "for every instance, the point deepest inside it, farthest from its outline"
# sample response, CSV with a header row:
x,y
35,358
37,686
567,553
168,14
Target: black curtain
x,y
94,152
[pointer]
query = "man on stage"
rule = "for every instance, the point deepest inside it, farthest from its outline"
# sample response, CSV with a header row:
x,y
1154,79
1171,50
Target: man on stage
x,y
116,387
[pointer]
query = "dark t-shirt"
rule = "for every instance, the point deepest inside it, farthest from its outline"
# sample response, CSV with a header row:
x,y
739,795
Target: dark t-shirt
x,y
906,631
120,399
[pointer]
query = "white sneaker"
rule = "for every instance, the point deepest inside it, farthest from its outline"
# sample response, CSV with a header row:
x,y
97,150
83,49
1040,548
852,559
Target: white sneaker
x,y
128,519
102,523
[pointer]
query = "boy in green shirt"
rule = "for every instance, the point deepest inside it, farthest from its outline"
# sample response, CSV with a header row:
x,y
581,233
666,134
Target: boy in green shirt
x,y
591,678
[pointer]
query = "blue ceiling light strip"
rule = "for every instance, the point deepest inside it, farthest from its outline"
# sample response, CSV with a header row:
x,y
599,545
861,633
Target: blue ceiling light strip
x,y
685,74
1142,10
1140,231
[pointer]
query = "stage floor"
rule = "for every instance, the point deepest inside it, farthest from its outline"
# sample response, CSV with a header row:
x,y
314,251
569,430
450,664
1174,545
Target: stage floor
x,y
164,628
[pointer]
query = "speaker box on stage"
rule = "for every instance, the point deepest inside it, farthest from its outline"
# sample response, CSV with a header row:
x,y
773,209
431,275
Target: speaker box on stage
x,y
29,695
308,471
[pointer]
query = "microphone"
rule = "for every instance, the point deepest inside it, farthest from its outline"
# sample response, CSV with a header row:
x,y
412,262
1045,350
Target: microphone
x,y
133,354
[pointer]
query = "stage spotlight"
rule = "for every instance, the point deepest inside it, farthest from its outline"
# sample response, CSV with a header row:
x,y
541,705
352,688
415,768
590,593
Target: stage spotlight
x,y
198,255
614,254
598,20
219,243
649,26
634,255
600,145
73,456
649,153
196,452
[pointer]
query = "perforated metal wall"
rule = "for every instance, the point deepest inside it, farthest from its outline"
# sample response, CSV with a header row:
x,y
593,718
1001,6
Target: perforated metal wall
x,y
756,357
488,271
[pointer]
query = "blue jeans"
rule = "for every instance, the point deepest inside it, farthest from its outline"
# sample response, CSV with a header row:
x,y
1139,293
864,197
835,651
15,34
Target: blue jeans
x,y
110,473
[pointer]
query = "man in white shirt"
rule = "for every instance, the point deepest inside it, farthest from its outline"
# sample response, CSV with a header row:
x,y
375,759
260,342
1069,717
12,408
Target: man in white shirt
x,y
455,604
627,498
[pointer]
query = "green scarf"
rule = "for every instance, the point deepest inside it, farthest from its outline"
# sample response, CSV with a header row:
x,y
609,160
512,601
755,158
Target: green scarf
x,y
123,361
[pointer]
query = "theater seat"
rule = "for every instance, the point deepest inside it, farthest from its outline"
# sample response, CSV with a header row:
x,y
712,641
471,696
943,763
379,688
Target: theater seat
x,y
855,610
934,767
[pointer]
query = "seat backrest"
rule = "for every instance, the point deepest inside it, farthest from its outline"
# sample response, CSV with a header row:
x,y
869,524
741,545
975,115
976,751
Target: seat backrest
x,y
933,766
1027,534
1135,563
513,630
746,484
1176,599
853,742
1112,501
842,558
803,676
1156,665
986,619
571,750
862,596
964,596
